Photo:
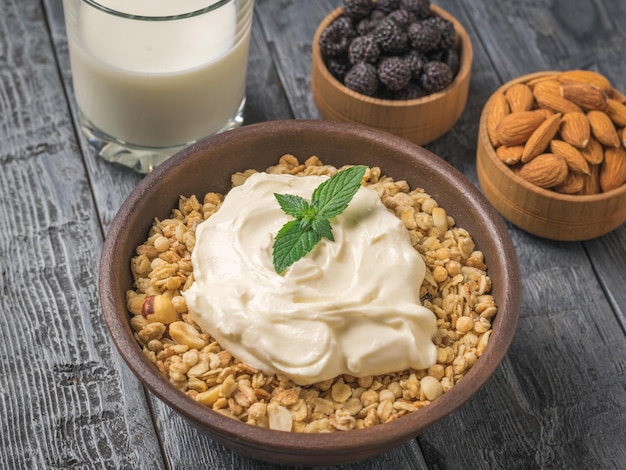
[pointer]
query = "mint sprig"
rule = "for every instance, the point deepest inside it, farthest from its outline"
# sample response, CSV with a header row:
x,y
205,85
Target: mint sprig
x,y
311,220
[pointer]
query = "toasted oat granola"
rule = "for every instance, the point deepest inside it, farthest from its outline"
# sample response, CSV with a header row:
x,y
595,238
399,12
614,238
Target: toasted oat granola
x,y
456,288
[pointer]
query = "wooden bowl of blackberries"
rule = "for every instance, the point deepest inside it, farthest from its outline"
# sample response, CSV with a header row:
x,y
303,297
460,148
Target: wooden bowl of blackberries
x,y
401,66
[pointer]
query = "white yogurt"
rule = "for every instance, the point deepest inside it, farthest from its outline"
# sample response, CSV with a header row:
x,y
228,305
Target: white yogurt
x,y
350,306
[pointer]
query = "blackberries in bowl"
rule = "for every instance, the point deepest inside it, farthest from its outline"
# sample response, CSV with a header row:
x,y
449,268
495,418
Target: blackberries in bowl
x,y
401,66
391,49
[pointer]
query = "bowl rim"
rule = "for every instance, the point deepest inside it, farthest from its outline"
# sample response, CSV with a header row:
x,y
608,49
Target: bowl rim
x,y
507,171
228,430
463,42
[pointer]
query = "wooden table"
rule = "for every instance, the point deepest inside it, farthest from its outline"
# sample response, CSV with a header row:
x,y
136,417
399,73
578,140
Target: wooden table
x,y
68,401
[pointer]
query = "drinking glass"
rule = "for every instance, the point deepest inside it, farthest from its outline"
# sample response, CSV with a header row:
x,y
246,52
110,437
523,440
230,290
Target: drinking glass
x,y
153,76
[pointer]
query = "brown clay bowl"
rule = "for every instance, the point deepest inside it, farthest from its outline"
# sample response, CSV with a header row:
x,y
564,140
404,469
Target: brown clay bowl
x,y
419,120
208,165
539,211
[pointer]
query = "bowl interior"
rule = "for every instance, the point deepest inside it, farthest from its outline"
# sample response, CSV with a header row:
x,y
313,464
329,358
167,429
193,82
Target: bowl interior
x,y
207,166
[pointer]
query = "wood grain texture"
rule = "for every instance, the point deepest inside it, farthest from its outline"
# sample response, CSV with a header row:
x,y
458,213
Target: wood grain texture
x,y
608,256
289,27
266,99
66,401
102,175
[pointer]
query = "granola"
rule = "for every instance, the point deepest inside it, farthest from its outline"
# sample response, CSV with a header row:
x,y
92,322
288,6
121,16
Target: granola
x,y
456,288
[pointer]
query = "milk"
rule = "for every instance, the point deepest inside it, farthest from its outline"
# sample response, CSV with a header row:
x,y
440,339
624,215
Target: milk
x,y
158,83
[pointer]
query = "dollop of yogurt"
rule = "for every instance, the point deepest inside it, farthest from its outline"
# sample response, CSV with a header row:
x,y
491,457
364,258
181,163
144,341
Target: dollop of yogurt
x,y
350,306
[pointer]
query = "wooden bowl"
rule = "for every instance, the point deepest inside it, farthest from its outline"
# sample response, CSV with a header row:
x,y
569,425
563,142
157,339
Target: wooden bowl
x,y
207,166
539,211
420,120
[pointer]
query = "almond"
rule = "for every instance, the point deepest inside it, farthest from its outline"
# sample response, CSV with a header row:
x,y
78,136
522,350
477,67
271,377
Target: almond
x,y
618,96
552,86
516,128
613,169
543,78
545,170
585,95
575,129
591,182
593,152
520,97
541,137
617,112
573,184
603,129
575,160
548,95
498,109
544,112
586,76
510,154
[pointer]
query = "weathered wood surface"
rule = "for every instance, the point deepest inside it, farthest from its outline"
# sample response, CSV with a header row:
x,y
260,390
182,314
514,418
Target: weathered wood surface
x,y
68,401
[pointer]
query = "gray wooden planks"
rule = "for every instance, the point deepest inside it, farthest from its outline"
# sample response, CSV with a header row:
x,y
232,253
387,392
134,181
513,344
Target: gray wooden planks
x,y
556,401
65,398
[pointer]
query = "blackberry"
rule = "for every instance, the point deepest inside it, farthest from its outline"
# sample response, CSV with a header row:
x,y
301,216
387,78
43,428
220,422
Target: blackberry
x,y
357,9
362,78
424,36
446,29
394,73
346,23
410,92
368,25
401,17
416,61
363,49
390,37
336,38
435,76
420,8
387,6
338,67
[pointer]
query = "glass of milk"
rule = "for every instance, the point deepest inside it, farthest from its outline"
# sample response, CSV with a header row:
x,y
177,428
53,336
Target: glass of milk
x,y
153,76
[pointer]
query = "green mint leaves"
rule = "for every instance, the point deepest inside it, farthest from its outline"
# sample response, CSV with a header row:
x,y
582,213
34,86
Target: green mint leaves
x,y
298,237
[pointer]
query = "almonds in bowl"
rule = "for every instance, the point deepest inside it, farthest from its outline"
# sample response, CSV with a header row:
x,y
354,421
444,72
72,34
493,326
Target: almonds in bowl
x,y
551,155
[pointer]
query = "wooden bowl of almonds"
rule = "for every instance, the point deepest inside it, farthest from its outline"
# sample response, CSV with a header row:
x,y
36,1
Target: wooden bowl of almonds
x,y
551,154
472,284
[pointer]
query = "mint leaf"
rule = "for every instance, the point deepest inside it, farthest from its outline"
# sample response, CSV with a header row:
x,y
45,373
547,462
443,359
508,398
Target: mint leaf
x,y
323,228
311,221
333,196
293,205
291,244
